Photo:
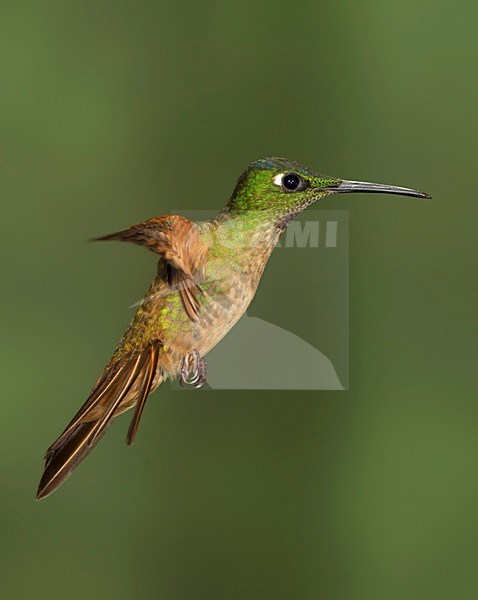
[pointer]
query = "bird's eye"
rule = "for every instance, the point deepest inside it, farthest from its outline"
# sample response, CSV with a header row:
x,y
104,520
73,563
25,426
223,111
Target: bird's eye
x,y
291,182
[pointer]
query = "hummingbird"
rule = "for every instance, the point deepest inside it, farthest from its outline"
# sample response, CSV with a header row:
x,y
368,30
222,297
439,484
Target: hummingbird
x,y
207,275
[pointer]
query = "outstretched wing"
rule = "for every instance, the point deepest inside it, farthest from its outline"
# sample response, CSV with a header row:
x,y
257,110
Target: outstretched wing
x,y
122,385
178,241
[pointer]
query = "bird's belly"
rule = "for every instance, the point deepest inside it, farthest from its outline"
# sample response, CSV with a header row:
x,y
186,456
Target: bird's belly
x,y
218,315
224,301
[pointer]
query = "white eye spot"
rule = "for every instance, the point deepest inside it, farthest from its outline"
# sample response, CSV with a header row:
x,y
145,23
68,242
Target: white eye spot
x,y
278,179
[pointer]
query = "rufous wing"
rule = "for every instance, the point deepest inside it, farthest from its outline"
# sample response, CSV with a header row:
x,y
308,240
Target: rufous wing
x,y
178,241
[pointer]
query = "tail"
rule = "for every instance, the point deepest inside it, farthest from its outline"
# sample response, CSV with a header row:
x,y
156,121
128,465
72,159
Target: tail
x,y
62,461
124,385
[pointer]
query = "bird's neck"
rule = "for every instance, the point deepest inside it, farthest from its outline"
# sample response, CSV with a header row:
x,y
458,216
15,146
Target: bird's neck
x,y
247,236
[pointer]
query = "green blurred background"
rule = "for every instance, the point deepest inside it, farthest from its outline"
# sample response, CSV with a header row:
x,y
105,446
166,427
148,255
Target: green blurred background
x,y
115,111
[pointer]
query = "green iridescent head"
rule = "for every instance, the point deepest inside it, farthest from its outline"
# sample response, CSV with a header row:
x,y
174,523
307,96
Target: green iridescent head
x,y
282,188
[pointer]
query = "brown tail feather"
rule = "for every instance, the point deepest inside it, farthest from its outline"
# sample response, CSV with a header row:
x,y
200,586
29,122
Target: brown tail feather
x,y
143,394
117,399
99,391
65,458
121,387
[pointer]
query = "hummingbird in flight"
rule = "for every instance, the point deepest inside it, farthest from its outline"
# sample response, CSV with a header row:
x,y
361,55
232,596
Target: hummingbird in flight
x,y
207,276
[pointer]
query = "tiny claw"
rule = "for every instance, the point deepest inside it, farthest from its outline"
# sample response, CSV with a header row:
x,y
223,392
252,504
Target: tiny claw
x,y
193,370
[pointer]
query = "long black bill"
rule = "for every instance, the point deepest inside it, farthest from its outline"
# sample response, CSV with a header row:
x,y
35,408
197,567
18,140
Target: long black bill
x,y
364,186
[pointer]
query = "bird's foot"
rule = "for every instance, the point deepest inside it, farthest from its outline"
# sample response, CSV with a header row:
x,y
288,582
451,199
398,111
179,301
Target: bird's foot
x,y
193,370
